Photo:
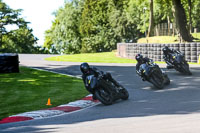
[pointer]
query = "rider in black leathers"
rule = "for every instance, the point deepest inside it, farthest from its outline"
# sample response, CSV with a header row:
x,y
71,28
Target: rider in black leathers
x,y
167,55
141,60
87,70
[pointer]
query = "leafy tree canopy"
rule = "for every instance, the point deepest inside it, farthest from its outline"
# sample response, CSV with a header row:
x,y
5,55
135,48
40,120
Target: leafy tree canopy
x,y
20,40
97,25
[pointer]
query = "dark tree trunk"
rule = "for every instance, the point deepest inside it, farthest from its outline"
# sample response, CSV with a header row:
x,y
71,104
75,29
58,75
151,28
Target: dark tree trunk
x,y
181,21
168,25
151,20
190,15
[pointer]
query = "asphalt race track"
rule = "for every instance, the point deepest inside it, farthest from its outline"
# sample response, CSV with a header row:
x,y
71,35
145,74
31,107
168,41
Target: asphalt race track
x,y
175,109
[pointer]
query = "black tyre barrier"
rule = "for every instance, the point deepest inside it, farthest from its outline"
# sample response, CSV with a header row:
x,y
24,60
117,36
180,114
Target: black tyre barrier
x,y
150,51
193,47
182,47
187,53
193,58
188,59
168,45
198,51
159,48
187,48
158,58
176,46
140,48
162,59
154,51
137,48
171,46
159,52
193,53
9,63
146,50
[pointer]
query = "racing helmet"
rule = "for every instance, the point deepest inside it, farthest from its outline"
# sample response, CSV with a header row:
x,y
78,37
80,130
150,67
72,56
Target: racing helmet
x,y
84,67
165,50
139,57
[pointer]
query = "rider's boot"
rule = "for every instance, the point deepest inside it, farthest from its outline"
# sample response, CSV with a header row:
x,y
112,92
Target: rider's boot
x,y
94,97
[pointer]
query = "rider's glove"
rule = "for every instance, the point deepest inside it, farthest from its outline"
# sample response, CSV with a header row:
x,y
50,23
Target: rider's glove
x,y
150,61
139,72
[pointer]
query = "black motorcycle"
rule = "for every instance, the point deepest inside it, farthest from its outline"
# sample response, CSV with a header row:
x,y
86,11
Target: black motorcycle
x,y
180,64
105,91
152,73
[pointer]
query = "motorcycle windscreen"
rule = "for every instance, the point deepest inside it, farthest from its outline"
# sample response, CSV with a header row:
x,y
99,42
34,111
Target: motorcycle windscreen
x,y
144,68
91,81
179,58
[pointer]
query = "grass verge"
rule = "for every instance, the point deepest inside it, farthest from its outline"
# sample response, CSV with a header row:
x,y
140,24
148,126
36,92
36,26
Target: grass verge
x,y
30,89
104,57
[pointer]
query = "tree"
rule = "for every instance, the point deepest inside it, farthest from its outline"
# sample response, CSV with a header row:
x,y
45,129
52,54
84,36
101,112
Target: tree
x,y
181,20
195,14
138,15
8,16
64,35
125,30
151,20
96,32
190,15
18,40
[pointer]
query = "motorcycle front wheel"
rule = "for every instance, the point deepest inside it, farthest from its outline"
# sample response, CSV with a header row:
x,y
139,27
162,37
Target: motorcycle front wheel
x,y
185,68
167,80
124,94
104,96
156,81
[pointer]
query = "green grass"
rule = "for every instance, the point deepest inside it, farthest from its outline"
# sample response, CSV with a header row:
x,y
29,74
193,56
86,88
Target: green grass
x,y
30,89
196,35
158,39
104,57
165,39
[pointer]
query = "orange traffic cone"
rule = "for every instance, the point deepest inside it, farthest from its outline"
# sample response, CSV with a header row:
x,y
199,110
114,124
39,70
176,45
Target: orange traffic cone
x,y
49,102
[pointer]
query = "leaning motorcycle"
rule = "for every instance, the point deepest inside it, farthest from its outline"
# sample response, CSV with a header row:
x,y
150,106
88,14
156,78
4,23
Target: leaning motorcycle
x,y
180,64
105,91
152,73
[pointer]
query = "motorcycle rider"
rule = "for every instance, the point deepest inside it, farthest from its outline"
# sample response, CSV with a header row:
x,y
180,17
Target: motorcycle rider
x,y
168,56
141,60
87,70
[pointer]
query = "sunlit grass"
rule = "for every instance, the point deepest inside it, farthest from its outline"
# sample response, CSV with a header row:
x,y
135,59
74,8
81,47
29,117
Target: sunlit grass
x,y
104,57
197,36
165,39
30,89
159,39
